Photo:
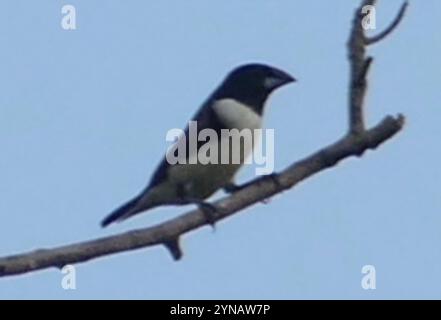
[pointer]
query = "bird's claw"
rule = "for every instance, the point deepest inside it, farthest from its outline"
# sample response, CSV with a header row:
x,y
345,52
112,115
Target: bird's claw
x,y
274,177
209,212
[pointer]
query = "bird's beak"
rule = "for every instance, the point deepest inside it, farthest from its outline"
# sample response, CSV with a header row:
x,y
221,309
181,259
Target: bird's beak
x,y
285,77
278,79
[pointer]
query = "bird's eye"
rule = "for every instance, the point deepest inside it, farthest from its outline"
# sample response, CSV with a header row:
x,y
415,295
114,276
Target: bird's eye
x,y
271,82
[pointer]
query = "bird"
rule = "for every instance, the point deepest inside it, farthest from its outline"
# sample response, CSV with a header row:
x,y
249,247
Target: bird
x,y
237,103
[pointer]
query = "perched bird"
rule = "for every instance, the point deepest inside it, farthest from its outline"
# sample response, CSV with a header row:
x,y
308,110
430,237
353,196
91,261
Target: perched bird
x,y
238,103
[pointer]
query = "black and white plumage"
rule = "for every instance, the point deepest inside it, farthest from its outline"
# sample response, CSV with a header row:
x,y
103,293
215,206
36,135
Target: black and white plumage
x,y
238,103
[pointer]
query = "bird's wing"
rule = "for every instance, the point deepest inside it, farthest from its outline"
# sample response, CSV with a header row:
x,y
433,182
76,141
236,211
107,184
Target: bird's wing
x,y
206,119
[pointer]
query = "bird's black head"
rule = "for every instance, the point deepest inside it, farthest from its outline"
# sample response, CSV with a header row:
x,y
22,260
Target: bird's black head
x,y
253,83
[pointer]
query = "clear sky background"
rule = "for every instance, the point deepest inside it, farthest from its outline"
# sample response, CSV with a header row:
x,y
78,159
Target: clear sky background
x,y
83,118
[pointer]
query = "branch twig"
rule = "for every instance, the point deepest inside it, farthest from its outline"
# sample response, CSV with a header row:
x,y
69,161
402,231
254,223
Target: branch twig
x,y
360,64
168,234
391,27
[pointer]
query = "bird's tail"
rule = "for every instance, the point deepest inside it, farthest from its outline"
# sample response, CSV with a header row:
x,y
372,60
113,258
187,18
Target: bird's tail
x,y
125,211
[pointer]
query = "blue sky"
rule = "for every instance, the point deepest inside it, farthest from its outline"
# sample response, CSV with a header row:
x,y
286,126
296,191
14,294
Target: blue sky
x,y
83,118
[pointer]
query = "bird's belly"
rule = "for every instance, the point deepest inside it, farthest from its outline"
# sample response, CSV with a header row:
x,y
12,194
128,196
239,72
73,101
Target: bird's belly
x,y
202,180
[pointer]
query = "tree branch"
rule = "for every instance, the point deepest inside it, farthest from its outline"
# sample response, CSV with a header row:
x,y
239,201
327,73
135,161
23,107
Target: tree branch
x,y
358,41
391,27
168,234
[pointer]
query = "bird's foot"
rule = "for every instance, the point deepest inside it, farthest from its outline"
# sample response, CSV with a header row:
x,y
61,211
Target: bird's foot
x,y
209,212
232,187
274,178
207,209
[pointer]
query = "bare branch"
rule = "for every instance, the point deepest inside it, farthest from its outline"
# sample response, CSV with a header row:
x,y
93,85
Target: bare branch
x,y
355,143
358,71
391,27
357,44
257,191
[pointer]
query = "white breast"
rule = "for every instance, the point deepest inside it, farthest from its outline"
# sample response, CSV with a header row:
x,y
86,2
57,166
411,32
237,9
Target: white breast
x,y
237,115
